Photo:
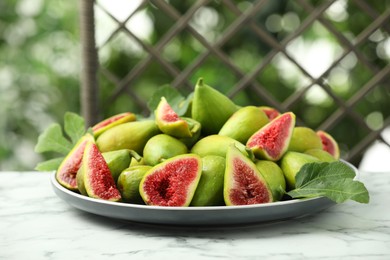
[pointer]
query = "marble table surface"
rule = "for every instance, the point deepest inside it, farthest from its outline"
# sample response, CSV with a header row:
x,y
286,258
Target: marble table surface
x,y
36,224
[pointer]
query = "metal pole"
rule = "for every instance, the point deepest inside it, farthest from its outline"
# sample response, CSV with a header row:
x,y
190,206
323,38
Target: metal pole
x,y
89,85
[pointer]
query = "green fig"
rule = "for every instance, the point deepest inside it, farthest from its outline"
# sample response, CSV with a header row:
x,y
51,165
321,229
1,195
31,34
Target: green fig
x,y
117,161
215,145
161,147
322,155
132,136
67,171
209,191
272,140
172,182
244,123
243,183
291,163
110,122
304,138
274,176
128,183
211,108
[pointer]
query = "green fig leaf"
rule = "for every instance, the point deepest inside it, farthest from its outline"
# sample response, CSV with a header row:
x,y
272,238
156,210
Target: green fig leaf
x,y
74,126
49,165
53,140
333,180
176,100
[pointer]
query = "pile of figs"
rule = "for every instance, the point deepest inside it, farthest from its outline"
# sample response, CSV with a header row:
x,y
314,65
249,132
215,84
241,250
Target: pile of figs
x,y
216,154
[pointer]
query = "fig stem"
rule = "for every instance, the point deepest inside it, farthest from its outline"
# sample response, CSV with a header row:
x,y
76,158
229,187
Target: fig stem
x,y
135,155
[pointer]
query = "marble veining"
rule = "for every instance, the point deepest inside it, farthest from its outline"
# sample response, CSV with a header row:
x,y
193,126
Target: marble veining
x,y
36,224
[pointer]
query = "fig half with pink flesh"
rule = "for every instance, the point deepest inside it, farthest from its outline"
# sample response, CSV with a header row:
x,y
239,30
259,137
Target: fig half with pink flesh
x,y
243,183
67,171
110,122
97,178
173,182
169,122
329,144
273,139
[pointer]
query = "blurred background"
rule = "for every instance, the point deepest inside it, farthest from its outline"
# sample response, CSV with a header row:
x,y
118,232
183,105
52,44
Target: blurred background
x,y
327,61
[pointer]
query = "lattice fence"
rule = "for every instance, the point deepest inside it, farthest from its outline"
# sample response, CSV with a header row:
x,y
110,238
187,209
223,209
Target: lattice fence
x,y
273,31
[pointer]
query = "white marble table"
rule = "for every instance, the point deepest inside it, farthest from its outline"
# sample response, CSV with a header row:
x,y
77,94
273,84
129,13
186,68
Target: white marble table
x,y
35,224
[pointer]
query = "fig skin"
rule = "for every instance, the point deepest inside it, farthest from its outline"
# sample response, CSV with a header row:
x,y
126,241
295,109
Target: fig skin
x,y
291,163
211,108
244,123
128,183
322,155
80,181
216,145
274,176
132,136
195,128
134,162
248,186
209,191
117,161
304,138
161,147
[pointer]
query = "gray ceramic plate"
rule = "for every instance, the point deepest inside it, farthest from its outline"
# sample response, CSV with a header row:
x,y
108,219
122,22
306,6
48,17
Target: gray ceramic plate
x,y
194,216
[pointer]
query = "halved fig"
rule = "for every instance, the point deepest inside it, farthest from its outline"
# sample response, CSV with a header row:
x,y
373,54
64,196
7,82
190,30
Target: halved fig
x,y
118,119
273,139
329,144
173,182
97,178
67,171
243,183
169,122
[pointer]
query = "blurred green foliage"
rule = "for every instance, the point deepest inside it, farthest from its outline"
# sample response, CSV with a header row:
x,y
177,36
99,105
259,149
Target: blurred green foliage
x,y
40,64
39,74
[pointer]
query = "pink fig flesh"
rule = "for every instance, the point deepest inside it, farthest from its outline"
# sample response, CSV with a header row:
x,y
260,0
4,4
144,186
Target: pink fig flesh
x,y
272,140
243,183
67,171
173,182
98,180
249,189
329,144
271,112
169,122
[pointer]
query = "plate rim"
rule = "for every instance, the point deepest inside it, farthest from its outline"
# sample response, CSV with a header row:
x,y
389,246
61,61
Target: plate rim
x,y
268,212
58,186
